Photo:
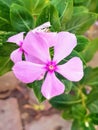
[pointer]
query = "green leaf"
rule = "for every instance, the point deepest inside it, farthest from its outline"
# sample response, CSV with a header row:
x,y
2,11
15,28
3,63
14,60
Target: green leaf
x,y
5,25
49,13
93,106
36,86
90,76
79,1
67,13
78,111
94,118
5,35
79,9
60,5
21,19
8,3
33,6
4,16
79,23
67,113
38,6
75,54
64,100
80,125
82,2
92,97
28,4
7,48
4,10
90,50
68,85
5,65
82,42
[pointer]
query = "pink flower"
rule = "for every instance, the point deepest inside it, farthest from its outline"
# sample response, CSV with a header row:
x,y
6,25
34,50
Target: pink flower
x,y
16,55
38,47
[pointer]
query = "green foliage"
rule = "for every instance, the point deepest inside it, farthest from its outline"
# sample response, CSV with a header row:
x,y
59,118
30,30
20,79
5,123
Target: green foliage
x,y
90,76
5,65
21,19
80,125
36,86
65,10
93,105
49,13
90,50
94,118
64,100
67,13
80,22
82,42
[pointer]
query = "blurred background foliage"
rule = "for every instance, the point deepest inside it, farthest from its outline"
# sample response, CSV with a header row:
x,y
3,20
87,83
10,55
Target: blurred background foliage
x,y
80,100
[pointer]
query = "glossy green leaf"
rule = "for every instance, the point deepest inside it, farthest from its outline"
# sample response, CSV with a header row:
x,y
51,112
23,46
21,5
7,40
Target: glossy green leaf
x,y
82,2
67,113
21,19
92,97
90,50
80,125
60,5
8,3
68,85
79,23
5,65
38,6
4,16
79,9
75,54
5,25
34,6
79,1
36,86
93,106
90,76
78,111
5,35
94,118
49,13
64,100
4,10
7,48
82,42
67,13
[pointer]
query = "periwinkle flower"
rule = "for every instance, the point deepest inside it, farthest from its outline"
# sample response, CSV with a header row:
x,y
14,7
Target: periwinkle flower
x,y
16,55
37,45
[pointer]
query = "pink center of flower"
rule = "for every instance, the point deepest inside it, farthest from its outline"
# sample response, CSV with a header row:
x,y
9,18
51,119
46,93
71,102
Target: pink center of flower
x,y
51,66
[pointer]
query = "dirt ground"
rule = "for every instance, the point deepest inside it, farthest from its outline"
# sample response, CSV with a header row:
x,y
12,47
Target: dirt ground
x,y
20,110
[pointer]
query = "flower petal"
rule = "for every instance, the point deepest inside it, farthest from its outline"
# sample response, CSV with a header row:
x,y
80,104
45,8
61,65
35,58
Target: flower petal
x,y
32,59
36,46
27,72
16,55
72,70
65,43
42,27
50,37
52,86
18,38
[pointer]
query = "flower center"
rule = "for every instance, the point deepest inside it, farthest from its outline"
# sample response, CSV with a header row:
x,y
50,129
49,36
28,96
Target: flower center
x,y
51,66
